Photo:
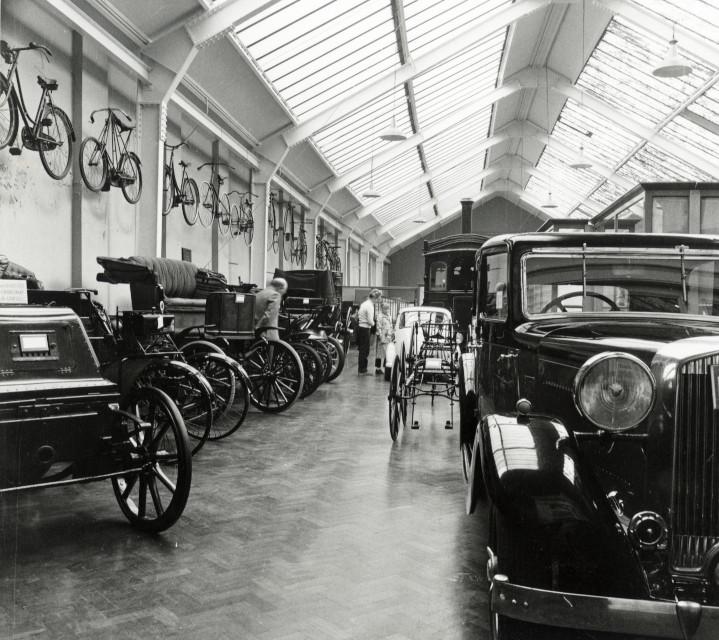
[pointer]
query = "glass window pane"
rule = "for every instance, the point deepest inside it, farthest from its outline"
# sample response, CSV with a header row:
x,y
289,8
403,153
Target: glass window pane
x,y
495,286
710,215
670,214
438,276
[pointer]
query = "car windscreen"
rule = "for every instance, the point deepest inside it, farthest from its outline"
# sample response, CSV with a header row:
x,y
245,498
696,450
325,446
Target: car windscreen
x,y
408,318
646,281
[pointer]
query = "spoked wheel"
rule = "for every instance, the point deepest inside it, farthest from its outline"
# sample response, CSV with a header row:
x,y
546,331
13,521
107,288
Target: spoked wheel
x,y
131,177
93,164
346,336
394,401
190,392
402,385
247,225
190,201
338,357
320,346
276,375
55,142
153,497
206,210
8,113
312,367
168,196
231,392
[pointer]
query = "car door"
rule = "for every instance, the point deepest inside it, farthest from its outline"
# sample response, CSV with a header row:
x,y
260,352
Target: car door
x,y
498,358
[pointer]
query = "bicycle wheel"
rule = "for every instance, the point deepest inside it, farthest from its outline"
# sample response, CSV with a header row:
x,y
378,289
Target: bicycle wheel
x,y
190,200
231,398
168,193
338,357
248,224
288,229
8,113
312,367
131,177
206,210
55,142
302,251
235,221
160,450
189,391
93,164
276,375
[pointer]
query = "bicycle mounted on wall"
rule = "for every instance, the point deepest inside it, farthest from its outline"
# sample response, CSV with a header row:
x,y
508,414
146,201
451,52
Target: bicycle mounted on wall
x,y
184,193
216,204
106,162
50,132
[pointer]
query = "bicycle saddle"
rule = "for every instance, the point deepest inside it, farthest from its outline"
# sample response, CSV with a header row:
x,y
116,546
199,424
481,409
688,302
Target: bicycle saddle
x,y
185,164
47,83
123,122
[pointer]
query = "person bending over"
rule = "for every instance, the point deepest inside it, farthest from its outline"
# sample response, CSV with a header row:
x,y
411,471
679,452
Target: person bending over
x,y
366,323
267,309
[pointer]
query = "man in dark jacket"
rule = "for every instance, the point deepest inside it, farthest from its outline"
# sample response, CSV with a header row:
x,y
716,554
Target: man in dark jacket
x,y
267,308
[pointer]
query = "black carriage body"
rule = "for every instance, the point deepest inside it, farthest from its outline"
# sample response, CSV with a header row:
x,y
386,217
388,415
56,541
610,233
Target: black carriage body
x,y
55,407
449,274
628,519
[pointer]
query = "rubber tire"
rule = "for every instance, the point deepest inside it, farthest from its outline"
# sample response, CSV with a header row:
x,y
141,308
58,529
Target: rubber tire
x,y
92,186
338,360
321,347
11,104
182,464
254,363
131,191
312,367
204,213
59,118
189,209
168,195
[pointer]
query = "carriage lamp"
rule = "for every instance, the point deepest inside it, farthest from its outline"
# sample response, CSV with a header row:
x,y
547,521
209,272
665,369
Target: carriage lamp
x,y
648,531
459,338
614,391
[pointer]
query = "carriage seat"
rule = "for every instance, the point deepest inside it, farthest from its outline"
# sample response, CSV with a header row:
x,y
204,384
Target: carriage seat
x,y
179,287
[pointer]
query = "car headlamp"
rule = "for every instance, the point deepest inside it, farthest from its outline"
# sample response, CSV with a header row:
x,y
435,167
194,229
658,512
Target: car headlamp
x,y
614,391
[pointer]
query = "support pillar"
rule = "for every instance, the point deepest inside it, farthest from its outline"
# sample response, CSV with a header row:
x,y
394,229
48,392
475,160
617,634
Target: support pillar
x,y
76,253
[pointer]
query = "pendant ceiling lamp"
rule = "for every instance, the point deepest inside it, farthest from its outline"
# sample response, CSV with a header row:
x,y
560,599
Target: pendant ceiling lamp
x,y
371,193
581,161
393,133
673,65
549,203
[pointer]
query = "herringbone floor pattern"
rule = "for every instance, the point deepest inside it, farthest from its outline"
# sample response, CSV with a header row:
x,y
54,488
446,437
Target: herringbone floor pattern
x,y
308,525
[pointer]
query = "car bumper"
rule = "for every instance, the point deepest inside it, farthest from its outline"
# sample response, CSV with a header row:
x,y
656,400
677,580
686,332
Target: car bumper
x,y
657,618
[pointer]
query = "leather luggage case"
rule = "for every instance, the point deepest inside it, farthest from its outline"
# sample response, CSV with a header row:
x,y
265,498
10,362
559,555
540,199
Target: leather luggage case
x,y
231,315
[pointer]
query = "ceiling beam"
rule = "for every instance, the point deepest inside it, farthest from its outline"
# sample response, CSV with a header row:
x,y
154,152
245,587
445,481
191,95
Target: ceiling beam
x,y
649,21
443,125
380,86
88,27
215,24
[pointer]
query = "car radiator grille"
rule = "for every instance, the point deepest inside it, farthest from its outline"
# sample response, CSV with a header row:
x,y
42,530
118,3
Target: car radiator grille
x,y
695,519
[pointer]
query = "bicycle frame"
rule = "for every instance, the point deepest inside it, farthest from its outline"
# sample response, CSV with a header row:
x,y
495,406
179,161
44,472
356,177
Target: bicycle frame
x,y
118,146
176,186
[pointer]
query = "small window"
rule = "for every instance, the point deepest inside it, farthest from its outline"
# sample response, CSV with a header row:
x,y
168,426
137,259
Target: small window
x,y
670,214
438,276
494,286
461,274
710,215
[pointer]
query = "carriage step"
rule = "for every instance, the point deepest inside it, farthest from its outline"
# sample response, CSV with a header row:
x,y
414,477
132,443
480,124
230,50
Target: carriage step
x,y
448,425
415,424
15,151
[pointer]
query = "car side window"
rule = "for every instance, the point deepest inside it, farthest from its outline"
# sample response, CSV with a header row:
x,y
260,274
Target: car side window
x,y
438,276
493,302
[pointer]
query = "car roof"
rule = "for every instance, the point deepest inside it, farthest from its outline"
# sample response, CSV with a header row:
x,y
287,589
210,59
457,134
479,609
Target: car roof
x,y
602,239
428,309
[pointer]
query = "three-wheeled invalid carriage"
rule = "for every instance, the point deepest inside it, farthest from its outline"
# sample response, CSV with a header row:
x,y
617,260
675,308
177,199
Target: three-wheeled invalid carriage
x,y
61,422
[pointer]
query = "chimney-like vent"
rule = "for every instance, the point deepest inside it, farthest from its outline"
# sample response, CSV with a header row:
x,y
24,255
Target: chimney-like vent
x,y
467,215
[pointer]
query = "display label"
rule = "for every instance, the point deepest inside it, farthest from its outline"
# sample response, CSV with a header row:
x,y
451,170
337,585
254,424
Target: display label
x,y
160,322
305,300
34,342
13,292
239,298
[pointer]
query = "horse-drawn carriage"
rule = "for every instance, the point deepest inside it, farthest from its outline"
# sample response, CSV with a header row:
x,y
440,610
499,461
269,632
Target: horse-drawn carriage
x,y
63,422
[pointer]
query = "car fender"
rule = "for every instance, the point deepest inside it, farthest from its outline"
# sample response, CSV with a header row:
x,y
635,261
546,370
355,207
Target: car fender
x,y
535,477
236,366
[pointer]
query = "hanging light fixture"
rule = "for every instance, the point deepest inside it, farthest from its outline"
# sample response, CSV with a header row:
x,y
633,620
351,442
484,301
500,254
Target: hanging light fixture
x,y
393,133
673,65
549,203
371,193
581,161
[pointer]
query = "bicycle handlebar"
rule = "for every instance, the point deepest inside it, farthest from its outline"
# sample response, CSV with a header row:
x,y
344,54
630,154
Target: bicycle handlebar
x,y
41,47
109,110
215,164
9,53
176,146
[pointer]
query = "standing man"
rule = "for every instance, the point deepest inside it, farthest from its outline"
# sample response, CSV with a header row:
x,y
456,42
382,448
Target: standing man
x,y
267,309
366,322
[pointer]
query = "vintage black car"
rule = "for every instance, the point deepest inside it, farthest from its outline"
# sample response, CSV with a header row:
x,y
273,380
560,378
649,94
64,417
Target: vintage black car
x,y
590,432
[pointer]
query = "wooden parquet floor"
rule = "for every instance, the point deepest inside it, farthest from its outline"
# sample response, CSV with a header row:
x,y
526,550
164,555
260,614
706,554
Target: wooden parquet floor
x,y
309,525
